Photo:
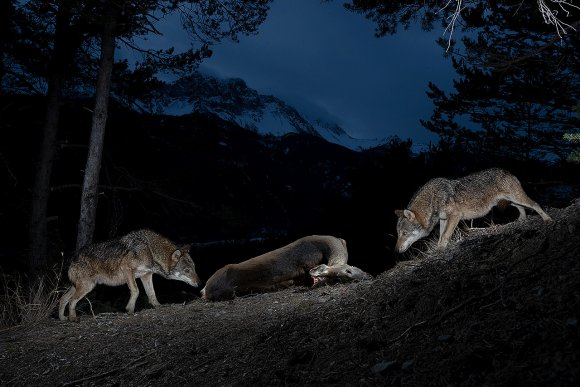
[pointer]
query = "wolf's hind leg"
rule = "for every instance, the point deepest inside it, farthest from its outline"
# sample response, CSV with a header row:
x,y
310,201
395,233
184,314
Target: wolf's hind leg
x,y
130,277
81,290
64,300
521,199
147,281
522,211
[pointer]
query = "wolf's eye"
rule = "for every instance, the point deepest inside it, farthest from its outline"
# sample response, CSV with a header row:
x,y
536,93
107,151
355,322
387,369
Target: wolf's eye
x,y
348,271
187,271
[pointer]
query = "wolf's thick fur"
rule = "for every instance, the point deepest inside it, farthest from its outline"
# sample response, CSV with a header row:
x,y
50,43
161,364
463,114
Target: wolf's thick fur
x,y
138,254
300,258
447,202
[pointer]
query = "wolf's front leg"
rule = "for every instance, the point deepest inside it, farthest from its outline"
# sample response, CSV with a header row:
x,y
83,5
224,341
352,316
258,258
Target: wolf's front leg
x,y
442,228
130,276
450,224
147,281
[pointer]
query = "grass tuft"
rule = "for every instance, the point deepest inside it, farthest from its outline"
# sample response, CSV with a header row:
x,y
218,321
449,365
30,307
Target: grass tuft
x,y
25,300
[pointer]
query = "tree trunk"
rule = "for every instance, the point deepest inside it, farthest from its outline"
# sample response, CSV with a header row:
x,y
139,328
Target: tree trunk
x,y
89,196
6,8
62,55
37,256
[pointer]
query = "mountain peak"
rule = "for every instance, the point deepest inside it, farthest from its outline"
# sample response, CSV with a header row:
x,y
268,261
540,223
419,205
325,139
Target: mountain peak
x,y
234,101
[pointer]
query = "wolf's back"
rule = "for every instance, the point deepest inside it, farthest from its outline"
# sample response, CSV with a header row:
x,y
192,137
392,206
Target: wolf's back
x,y
485,186
146,243
104,257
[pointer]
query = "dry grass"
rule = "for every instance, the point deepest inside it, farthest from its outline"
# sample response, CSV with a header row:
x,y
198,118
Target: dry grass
x,y
26,301
428,247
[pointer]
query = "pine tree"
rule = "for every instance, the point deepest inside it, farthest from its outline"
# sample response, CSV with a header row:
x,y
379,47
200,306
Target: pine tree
x,y
517,86
207,21
52,53
518,69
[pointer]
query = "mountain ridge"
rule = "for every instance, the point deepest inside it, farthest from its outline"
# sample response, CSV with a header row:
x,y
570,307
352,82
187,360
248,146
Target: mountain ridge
x,y
234,101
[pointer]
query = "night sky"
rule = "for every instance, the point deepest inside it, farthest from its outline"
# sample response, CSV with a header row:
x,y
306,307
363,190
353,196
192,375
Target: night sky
x,y
322,58
327,62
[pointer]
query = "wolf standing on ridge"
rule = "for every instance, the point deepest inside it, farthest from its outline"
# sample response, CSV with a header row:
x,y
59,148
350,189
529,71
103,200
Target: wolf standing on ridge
x,y
446,202
138,254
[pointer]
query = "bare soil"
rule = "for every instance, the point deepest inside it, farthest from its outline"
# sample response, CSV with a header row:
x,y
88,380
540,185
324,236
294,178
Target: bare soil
x,y
499,307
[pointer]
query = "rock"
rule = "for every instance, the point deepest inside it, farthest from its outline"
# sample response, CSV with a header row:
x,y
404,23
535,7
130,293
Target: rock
x,y
445,338
408,364
383,366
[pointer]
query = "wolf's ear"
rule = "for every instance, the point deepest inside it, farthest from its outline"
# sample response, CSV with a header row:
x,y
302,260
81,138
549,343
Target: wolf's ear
x,y
185,248
405,214
175,258
409,215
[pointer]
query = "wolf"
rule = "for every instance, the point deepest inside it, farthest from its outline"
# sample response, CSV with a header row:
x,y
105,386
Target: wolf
x,y
301,258
446,202
138,254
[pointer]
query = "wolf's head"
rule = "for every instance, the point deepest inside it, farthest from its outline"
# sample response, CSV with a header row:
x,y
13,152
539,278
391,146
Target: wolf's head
x,y
409,230
182,267
339,273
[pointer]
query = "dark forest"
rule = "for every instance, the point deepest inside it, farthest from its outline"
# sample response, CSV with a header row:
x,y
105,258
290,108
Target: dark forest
x,y
87,155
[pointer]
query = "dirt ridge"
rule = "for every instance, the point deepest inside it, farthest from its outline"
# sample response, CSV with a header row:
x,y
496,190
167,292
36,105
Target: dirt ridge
x,y
499,307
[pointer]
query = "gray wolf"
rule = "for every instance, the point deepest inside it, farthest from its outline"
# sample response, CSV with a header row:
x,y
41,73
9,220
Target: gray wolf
x,y
301,258
138,254
446,202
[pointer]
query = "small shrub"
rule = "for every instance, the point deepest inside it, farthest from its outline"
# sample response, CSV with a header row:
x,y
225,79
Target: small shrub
x,y
25,301
573,138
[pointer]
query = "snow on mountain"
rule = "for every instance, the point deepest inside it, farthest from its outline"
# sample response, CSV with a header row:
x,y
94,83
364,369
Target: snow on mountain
x,y
233,101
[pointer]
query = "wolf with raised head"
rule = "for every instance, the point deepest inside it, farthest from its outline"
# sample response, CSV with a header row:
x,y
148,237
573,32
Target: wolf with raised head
x,y
446,202
139,254
304,257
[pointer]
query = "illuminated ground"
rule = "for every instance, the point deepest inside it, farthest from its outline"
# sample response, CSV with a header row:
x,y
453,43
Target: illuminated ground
x,y
499,307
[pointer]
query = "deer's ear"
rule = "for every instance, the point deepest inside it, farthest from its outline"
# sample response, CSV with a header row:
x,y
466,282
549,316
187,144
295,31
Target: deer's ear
x,y
319,270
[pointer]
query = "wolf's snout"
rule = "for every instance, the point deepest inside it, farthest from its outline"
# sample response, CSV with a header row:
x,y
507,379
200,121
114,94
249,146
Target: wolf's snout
x,y
195,282
400,248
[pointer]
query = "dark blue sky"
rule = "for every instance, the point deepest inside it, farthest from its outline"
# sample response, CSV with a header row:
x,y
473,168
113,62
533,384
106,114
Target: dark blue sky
x,y
320,57
327,62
